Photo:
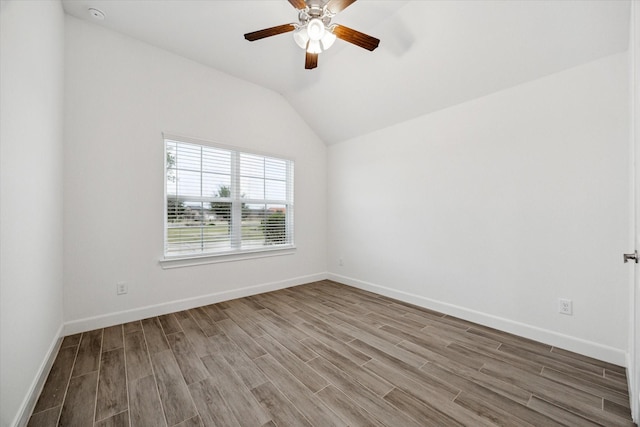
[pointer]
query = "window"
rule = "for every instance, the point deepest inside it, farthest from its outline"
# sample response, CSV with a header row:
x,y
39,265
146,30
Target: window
x,y
221,201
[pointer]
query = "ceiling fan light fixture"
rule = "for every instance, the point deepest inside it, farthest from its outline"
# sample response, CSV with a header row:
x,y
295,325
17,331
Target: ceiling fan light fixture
x,y
301,37
314,46
327,40
315,29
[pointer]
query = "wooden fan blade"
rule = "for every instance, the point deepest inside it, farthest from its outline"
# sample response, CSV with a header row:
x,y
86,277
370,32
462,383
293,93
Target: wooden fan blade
x,y
335,6
268,32
298,4
311,61
356,37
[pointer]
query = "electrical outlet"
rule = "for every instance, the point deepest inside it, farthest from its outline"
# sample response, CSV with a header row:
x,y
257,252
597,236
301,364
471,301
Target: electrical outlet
x,y
122,288
565,306
340,262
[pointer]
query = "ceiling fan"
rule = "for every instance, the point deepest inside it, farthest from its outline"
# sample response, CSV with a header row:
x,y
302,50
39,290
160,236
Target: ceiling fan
x,y
314,31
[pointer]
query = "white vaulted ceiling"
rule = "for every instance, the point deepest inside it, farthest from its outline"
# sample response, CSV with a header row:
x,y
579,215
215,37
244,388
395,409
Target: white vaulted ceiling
x,y
432,55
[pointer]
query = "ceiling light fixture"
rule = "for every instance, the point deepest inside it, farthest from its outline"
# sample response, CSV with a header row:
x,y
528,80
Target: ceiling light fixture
x,y
301,37
314,32
327,40
314,36
315,29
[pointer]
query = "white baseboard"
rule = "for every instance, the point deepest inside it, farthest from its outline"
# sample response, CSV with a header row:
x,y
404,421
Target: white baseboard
x,y
577,345
31,398
110,319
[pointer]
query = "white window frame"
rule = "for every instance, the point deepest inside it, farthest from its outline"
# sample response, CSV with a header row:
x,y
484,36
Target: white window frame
x,y
236,252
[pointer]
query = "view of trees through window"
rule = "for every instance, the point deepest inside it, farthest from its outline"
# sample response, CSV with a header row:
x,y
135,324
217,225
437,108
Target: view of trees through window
x,y
221,201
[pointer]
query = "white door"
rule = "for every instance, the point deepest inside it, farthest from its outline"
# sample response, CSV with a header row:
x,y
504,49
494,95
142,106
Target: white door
x,y
634,333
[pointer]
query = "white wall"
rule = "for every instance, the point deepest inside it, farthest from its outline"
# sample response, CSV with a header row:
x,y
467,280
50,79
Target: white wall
x,y
31,106
120,95
493,209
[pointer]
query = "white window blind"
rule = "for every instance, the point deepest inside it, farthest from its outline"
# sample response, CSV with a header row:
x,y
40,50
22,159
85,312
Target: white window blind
x,y
222,201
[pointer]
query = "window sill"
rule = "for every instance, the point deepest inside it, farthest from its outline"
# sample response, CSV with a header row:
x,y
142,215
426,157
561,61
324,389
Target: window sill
x,y
188,261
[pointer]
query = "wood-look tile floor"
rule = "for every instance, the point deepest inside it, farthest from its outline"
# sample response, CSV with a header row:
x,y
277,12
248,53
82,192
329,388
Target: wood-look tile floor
x,y
323,354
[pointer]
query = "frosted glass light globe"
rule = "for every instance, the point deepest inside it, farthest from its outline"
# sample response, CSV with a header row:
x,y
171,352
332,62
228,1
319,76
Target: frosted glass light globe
x,y
315,29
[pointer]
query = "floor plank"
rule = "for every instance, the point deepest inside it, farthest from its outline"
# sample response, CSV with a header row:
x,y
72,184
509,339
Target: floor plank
x,y
154,335
112,385
88,358
208,326
118,420
604,365
291,363
559,414
169,324
200,342
467,379
130,327
71,341
248,322
145,407
214,312
363,397
424,386
212,408
191,366
137,356
346,408
558,362
242,403
79,404
316,411
112,338
244,367
241,338
174,395
46,418
574,400
365,377
281,410
287,337
418,410
503,411
56,384
428,390
598,386
286,326
191,422
328,341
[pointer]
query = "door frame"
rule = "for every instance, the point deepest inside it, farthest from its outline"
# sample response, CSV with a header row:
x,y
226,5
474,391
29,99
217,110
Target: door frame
x,y
633,359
